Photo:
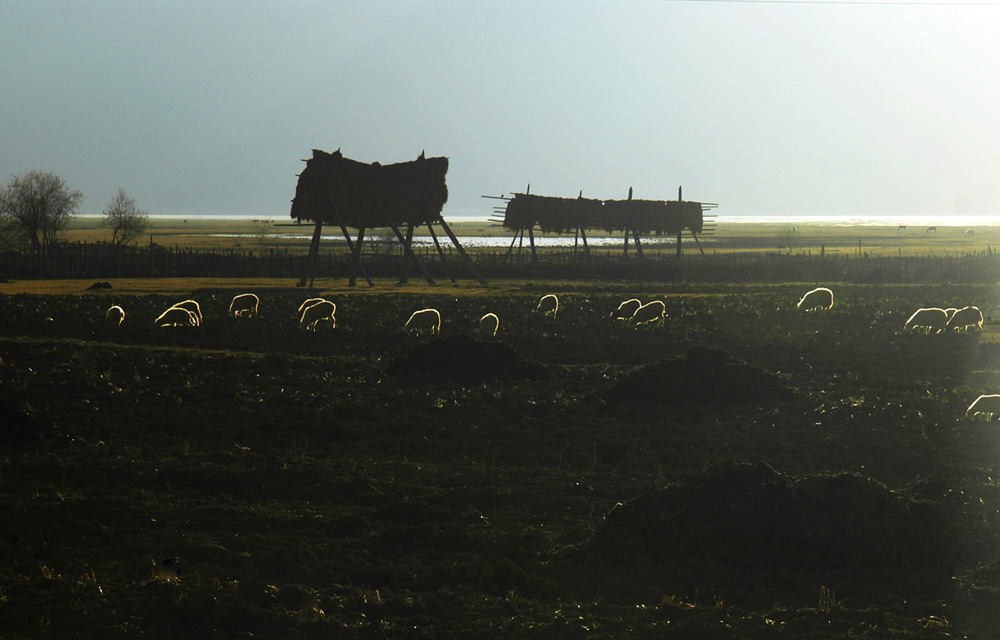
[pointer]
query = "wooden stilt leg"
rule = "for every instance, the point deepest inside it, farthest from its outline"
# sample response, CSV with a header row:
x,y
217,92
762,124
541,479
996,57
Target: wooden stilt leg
x,y
307,272
461,251
408,250
430,228
697,242
404,270
354,267
510,249
355,252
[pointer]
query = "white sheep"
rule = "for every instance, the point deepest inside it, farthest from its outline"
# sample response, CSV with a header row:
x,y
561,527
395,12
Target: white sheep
x,y
626,309
308,303
818,298
115,315
424,319
548,304
966,317
176,317
650,313
193,307
316,313
244,304
930,320
488,325
988,405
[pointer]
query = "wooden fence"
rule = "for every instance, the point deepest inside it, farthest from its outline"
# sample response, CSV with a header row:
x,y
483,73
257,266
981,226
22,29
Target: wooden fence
x,y
104,261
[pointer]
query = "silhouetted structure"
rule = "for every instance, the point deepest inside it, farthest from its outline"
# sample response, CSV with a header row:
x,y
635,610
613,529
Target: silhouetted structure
x,y
634,218
333,189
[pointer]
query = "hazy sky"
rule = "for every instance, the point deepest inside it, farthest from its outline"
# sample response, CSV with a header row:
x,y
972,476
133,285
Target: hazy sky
x,y
208,107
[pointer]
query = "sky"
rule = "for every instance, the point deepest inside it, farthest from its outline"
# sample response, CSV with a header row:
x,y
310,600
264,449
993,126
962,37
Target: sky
x,y
766,108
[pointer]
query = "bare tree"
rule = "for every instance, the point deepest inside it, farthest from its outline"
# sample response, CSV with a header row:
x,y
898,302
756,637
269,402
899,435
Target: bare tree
x,y
261,232
126,221
39,205
10,233
383,240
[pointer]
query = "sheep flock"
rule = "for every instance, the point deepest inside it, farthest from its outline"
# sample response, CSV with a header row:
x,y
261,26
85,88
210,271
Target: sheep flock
x,y
315,312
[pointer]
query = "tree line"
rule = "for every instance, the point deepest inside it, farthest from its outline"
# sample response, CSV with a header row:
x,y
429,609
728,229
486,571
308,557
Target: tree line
x,y
37,205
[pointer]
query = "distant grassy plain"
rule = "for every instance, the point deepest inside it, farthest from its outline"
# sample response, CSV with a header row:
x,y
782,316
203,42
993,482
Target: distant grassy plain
x,y
798,238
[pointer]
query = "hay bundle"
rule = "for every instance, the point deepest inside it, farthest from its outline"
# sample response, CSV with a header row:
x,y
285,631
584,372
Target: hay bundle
x,y
552,215
407,192
562,215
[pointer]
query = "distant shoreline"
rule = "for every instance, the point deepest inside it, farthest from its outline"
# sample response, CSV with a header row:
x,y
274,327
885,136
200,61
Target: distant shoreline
x,y
888,220
818,236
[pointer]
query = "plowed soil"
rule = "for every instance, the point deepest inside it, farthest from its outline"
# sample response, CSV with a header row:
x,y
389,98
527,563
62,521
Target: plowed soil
x,y
743,471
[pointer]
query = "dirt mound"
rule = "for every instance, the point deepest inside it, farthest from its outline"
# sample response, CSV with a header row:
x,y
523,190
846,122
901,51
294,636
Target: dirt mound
x,y
702,375
464,358
748,532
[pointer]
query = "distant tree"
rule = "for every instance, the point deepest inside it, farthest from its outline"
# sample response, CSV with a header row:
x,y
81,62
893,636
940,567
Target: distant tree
x,y
39,205
126,221
383,240
261,231
10,233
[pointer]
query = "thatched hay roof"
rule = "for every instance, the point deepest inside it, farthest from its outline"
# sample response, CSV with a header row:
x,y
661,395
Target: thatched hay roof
x,y
365,194
561,215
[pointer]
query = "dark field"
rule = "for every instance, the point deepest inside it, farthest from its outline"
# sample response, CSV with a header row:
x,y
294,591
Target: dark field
x,y
745,471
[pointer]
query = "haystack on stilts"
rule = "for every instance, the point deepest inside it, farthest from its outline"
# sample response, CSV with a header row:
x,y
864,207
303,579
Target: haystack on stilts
x,y
633,218
333,189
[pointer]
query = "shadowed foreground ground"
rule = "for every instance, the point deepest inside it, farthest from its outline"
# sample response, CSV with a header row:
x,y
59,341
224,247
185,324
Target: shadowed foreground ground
x,y
744,470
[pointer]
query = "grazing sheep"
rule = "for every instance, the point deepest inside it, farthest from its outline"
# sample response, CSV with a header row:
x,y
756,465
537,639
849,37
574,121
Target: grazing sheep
x,y
625,310
424,319
966,317
988,405
931,320
244,304
115,315
176,317
548,304
193,307
308,303
488,325
650,313
819,298
316,313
